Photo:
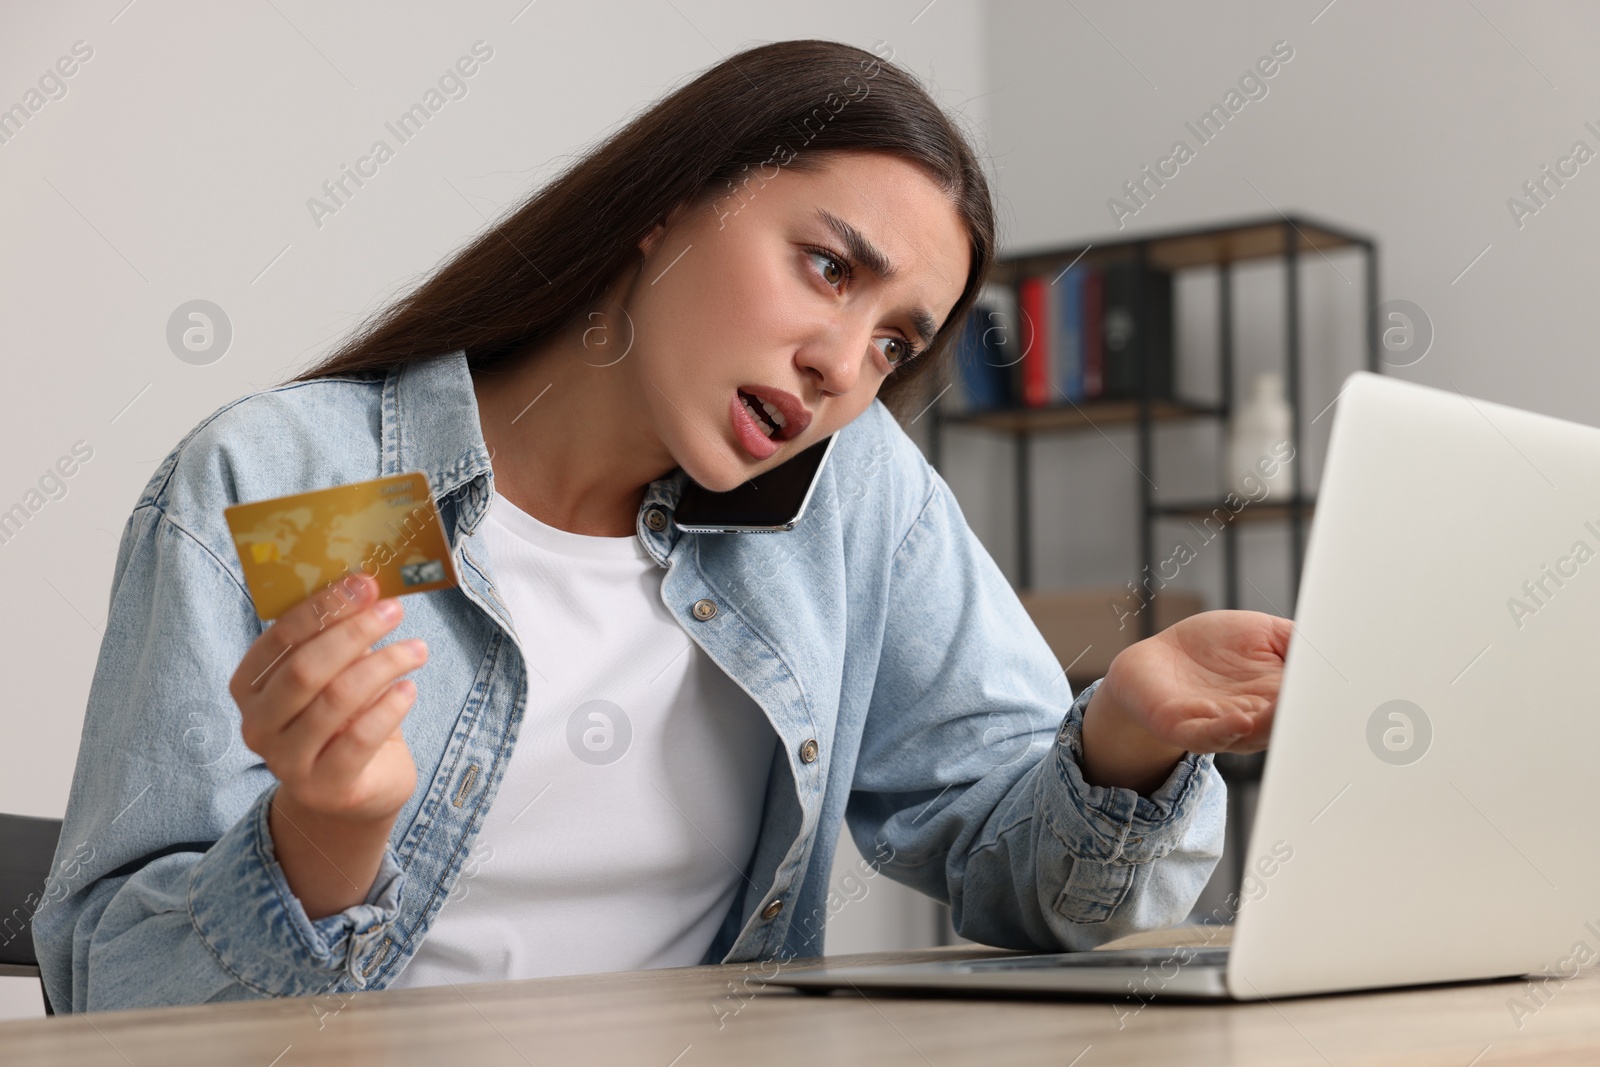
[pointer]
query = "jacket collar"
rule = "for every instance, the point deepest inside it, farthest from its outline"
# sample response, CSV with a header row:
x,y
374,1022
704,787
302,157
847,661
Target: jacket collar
x,y
430,424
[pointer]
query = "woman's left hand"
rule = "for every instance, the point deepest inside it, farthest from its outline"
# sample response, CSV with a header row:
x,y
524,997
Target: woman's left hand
x,y
1208,683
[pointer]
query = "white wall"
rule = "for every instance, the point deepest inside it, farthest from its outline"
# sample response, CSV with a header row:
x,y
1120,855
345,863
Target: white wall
x,y
178,165
1411,122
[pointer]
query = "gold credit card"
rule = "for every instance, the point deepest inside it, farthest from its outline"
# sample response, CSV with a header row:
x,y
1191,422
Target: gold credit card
x,y
292,546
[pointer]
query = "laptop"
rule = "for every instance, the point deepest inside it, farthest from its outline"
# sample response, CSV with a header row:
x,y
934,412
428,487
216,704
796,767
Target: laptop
x,y
1428,802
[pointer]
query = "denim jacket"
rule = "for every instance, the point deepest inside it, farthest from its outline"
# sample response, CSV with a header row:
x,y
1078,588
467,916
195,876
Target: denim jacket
x,y
911,694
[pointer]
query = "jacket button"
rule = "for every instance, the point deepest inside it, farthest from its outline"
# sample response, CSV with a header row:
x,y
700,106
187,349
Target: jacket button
x,y
808,751
656,519
770,912
704,609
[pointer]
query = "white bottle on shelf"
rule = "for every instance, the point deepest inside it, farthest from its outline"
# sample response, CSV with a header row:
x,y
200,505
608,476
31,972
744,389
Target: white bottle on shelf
x,y
1258,441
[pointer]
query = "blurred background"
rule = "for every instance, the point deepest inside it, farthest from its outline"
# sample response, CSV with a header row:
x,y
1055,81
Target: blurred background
x,y
182,157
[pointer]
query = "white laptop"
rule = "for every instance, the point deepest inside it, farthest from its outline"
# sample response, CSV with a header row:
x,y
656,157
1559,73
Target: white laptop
x,y
1432,772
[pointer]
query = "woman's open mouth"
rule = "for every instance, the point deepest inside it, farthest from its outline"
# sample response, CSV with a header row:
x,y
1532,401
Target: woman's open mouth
x,y
765,416
770,417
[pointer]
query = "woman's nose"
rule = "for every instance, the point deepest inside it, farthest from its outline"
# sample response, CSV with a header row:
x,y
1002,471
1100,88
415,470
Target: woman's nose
x,y
836,362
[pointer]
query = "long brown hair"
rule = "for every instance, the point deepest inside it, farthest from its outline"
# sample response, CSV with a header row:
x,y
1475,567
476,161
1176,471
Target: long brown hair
x,y
790,103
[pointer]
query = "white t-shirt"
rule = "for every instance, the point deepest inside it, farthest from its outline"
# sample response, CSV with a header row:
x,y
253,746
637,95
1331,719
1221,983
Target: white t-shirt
x,y
631,804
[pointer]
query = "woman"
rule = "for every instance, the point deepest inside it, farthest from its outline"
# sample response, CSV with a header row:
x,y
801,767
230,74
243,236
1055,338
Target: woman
x,y
630,746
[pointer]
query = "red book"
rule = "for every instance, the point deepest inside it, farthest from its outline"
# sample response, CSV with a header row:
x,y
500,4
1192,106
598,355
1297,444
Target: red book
x,y
1034,307
1094,353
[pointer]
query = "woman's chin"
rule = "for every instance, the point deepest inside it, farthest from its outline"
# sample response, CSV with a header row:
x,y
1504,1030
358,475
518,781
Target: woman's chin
x,y
719,478
716,469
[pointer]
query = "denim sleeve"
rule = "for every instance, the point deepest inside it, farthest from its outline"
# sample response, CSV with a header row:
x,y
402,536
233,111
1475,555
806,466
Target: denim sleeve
x,y
970,778
164,888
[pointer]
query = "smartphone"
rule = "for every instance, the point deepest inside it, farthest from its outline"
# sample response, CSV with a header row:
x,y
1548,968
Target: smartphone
x,y
768,503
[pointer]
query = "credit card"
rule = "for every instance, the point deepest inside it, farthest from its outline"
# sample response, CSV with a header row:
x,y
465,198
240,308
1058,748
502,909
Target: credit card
x,y
389,528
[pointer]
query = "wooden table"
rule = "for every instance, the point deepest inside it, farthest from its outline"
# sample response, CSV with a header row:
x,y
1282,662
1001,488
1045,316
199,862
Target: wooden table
x,y
702,1015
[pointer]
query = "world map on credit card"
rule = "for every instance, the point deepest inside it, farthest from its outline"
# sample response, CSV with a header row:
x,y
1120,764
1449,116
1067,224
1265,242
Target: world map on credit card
x,y
291,546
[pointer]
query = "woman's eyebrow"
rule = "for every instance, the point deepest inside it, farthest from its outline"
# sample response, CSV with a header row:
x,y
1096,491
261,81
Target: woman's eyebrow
x,y
871,256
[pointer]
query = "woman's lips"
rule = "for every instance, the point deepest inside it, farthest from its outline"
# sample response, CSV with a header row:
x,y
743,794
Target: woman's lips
x,y
791,412
752,436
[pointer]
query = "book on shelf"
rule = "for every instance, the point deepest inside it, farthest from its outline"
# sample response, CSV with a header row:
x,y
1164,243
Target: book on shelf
x,y
982,381
1094,357
1065,336
986,353
1121,329
1034,308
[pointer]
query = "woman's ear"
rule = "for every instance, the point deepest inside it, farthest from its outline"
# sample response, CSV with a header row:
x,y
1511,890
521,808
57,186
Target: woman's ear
x,y
648,243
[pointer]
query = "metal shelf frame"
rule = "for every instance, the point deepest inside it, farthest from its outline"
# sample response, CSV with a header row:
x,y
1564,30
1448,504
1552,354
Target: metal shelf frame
x,y
1286,238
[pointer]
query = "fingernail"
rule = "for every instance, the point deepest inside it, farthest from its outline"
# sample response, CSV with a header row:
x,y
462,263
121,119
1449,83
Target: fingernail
x,y
388,610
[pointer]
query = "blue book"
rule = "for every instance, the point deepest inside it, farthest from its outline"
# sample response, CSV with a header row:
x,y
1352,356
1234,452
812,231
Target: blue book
x,y
999,355
1068,309
980,370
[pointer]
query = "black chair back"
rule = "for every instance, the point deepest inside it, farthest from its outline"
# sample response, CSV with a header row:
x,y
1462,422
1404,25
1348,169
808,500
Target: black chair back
x,y
27,848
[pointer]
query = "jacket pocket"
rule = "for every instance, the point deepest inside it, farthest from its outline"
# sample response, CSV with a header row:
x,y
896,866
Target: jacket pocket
x,y
1094,890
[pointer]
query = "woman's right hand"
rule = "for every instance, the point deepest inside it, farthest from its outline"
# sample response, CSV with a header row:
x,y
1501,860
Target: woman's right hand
x,y
323,708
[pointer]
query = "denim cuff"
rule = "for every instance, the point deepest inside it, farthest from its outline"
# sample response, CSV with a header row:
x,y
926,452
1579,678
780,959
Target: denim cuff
x,y
1114,824
251,921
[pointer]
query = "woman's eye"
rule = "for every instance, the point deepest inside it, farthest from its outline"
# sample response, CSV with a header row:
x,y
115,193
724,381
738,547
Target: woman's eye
x,y
843,273
903,350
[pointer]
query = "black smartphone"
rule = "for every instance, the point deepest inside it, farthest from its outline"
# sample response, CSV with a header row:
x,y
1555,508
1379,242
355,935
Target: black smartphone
x,y
768,503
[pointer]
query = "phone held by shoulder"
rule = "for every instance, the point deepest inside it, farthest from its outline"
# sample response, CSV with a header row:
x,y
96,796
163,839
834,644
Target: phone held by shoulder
x,y
769,503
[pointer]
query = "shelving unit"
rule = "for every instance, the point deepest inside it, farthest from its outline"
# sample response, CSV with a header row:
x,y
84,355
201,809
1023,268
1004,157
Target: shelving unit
x,y
1217,247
